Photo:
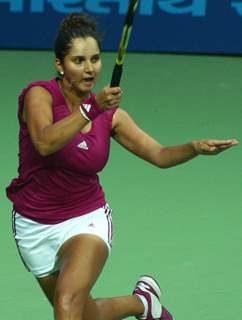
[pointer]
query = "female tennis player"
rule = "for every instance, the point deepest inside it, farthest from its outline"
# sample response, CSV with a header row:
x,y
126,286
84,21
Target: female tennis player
x,y
62,223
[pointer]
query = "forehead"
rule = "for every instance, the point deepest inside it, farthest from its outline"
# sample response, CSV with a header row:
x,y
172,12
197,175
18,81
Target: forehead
x,y
84,47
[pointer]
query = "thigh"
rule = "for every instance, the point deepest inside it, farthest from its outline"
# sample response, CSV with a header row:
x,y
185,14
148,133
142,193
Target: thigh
x,y
82,258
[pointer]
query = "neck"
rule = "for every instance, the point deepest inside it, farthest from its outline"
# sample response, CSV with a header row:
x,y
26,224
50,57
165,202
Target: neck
x,y
72,97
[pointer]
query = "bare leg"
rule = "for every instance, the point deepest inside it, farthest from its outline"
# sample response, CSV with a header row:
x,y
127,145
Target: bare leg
x,y
48,285
107,309
82,258
115,308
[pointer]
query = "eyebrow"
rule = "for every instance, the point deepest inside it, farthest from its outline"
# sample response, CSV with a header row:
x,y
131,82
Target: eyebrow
x,y
80,56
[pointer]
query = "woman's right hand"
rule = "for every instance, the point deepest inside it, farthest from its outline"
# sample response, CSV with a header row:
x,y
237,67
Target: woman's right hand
x,y
109,97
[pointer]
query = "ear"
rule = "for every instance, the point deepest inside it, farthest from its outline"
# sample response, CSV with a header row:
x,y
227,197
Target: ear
x,y
59,66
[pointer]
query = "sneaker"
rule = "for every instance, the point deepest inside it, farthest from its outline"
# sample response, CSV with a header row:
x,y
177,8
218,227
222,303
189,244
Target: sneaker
x,y
165,315
149,291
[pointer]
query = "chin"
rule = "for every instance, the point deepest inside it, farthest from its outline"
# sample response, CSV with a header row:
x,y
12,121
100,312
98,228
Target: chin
x,y
87,88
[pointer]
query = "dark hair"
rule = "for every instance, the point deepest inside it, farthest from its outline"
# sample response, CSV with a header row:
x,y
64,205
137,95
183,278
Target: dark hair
x,y
75,25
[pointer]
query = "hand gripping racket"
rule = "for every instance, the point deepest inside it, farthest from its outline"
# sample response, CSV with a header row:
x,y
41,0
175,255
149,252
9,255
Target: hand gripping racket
x,y
127,28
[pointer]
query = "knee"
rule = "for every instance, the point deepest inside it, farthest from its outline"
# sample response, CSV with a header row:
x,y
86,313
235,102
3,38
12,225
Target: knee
x,y
68,301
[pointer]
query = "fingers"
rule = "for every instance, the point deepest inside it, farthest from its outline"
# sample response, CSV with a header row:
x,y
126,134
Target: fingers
x,y
213,146
115,90
109,97
222,143
114,97
233,142
217,146
114,94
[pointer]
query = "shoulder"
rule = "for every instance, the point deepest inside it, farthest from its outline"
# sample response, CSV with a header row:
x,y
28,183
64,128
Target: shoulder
x,y
38,93
34,99
121,116
42,86
40,90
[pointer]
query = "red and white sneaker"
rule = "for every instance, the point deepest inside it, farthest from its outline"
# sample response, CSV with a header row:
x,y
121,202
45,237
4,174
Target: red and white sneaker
x,y
149,292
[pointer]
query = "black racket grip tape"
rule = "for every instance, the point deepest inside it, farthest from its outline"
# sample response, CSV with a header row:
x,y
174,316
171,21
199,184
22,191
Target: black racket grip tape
x,y
116,75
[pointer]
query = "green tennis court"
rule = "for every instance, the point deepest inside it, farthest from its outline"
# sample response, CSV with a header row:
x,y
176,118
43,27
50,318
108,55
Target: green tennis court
x,y
182,225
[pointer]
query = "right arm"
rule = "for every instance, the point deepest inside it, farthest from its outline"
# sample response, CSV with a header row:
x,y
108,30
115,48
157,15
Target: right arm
x,y
48,137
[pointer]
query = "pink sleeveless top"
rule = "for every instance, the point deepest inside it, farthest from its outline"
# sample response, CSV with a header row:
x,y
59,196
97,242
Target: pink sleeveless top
x,y
64,184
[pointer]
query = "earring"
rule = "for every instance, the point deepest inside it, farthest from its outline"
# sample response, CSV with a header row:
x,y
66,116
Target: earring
x,y
61,73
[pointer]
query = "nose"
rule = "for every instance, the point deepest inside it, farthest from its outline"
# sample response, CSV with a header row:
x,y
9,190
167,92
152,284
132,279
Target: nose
x,y
88,66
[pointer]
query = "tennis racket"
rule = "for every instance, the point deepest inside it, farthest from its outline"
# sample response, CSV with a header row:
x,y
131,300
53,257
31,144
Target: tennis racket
x,y
127,28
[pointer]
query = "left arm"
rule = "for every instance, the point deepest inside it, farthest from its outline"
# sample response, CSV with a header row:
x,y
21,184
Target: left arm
x,y
130,136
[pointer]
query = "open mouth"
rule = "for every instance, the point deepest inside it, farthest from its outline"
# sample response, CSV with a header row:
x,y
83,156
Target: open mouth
x,y
88,80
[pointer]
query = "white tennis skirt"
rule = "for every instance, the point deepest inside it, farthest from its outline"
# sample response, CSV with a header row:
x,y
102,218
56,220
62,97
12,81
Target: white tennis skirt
x,y
38,244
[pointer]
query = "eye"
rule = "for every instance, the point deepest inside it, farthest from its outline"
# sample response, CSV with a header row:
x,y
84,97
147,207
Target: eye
x,y
78,60
96,58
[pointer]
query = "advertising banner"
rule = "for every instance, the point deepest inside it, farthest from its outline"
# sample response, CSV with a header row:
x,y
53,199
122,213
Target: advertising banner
x,y
186,26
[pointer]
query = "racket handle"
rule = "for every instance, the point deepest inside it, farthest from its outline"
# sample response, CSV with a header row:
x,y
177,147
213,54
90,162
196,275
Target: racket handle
x,y
116,75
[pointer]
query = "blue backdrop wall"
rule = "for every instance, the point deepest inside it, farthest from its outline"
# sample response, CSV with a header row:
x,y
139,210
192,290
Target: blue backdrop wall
x,y
200,26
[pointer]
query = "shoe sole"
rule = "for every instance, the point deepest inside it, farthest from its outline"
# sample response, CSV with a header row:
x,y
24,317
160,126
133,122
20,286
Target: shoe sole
x,y
151,282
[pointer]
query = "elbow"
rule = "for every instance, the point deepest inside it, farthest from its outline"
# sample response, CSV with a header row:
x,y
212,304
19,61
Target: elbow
x,y
161,164
164,166
43,150
164,161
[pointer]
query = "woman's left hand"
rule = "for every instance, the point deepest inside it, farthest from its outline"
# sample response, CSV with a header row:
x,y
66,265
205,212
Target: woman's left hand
x,y
213,147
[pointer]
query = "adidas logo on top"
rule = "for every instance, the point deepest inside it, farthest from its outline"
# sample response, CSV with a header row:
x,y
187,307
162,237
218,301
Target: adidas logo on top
x,y
87,107
83,145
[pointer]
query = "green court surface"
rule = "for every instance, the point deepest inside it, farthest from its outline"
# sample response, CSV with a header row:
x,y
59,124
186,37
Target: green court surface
x,y
182,225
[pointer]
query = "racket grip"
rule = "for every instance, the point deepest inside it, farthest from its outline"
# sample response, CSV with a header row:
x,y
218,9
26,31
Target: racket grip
x,y
116,75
